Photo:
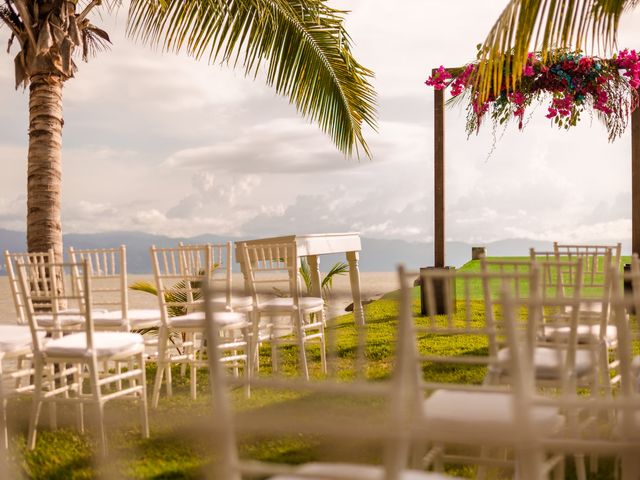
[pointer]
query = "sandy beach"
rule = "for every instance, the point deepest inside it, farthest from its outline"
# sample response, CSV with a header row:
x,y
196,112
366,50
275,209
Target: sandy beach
x,y
372,286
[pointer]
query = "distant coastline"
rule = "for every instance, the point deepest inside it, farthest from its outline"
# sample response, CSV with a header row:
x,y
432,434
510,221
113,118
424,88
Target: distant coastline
x,y
378,255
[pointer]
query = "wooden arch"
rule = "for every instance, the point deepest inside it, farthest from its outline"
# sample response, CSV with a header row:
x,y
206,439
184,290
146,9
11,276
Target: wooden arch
x,y
439,176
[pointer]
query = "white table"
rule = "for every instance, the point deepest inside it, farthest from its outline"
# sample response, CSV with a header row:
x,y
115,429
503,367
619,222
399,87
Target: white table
x,y
311,246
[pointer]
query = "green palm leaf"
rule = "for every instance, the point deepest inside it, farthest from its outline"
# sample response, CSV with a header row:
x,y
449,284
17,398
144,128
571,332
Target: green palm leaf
x,y
544,25
303,43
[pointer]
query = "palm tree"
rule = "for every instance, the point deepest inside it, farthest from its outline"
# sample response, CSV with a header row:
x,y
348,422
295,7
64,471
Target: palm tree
x,y
570,24
303,44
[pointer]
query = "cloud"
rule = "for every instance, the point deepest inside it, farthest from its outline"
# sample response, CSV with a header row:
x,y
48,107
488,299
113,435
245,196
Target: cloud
x,y
211,197
336,210
281,145
12,212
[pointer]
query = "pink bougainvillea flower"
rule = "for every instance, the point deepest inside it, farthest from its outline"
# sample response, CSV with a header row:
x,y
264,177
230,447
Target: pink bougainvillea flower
x,y
439,79
552,113
517,97
585,64
461,81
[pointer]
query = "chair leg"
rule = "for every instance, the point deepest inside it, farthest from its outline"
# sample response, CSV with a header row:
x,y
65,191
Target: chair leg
x,y
302,353
94,378
193,378
4,443
248,355
119,373
323,351
144,415
581,471
36,404
161,363
53,406
275,361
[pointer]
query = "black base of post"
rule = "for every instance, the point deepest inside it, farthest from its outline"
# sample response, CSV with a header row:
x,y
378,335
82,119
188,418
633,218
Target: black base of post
x,y
628,290
439,288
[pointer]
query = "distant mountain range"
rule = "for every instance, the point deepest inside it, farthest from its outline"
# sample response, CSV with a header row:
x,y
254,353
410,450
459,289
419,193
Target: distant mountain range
x,y
377,255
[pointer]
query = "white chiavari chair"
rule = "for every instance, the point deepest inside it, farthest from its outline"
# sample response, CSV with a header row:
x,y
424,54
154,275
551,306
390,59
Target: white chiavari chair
x,y
345,409
595,327
464,417
612,421
76,355
44,319
228,298
109,281
180,274
557,286
274,268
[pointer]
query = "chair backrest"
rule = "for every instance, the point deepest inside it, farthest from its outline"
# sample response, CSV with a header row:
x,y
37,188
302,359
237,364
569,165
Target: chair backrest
x,y
108,270
351,411
596,260
561,283
475,316
180,273
40,289
11,263
271,269
221,269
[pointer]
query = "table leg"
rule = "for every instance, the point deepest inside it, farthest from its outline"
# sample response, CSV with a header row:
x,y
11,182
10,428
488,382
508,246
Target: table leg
x,y
314,270
354,278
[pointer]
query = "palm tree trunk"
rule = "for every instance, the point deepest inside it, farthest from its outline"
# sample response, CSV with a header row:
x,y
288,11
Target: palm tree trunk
x,y
44,172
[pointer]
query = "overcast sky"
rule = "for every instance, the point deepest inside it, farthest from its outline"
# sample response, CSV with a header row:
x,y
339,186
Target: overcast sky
x,y
159,143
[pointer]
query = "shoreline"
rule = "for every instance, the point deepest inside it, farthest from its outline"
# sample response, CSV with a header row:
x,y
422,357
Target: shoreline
x,y
372,286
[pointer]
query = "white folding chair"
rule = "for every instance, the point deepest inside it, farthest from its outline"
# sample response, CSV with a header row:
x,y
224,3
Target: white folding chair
x,y
77,354
345,409
108,271
179,275
270,269
466,418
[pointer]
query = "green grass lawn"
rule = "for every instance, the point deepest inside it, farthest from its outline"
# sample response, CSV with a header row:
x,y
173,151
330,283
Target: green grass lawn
x,y
177,449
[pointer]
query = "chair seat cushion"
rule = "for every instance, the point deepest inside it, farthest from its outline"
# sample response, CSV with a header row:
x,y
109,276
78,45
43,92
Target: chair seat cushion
x,y
285,304
66,317
546,362
350,471
48,320
138,318
15,338
586,333
197,320
237,302
463,416
106,344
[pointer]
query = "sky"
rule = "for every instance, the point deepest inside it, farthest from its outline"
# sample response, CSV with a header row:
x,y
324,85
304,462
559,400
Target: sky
x,y
160,143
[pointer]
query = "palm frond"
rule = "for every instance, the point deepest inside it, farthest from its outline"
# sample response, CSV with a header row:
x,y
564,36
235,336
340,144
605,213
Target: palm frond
x,y
304,44
544,25
305,273
178,293
339,268
143,286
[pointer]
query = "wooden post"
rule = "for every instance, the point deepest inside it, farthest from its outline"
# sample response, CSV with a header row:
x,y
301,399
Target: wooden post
x,y
635,181
438,200
438,177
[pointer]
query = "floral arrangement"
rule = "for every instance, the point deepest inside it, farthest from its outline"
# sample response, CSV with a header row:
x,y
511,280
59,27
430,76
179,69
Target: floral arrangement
x,y
572,81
